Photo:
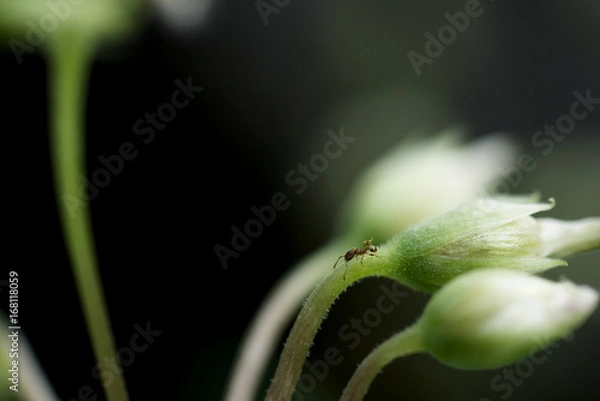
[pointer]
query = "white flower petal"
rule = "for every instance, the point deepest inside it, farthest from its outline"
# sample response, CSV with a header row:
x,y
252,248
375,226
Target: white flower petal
x,y
563,238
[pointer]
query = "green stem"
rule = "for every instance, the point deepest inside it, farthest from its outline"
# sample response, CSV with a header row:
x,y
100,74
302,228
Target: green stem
x,y
70,55
274,315
312,314
404,343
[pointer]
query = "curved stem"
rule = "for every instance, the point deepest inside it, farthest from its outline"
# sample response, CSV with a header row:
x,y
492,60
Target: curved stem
x,y
404,343
70,55
275,313
312,314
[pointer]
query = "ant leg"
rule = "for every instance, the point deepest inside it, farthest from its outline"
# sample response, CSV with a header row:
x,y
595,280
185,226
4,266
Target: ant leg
x,y
346,271
377,256
336,262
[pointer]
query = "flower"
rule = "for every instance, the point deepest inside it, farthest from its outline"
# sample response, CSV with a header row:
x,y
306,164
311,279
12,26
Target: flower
x,y
494,317
563,238
185,15
420,179
47,20
489,232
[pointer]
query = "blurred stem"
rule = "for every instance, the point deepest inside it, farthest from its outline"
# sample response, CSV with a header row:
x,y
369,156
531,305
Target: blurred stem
x,y
70,55
274,315
404,343
312,314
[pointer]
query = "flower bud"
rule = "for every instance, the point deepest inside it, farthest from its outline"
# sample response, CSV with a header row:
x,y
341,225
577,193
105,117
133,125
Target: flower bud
x,y
563,238
488,233
47,19
494,317
418,180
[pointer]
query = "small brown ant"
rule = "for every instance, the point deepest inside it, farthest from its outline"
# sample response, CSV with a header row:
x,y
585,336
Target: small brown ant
x,y
355,252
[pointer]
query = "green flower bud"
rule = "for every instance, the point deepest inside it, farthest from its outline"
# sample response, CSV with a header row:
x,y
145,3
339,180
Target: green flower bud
x,y
494,317
488,233
99,19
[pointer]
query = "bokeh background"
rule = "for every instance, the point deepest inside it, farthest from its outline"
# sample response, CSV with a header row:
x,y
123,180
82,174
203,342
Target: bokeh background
x,y
271,93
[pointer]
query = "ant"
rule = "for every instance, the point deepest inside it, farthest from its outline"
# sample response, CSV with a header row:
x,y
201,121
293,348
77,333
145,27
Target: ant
x,y
355,252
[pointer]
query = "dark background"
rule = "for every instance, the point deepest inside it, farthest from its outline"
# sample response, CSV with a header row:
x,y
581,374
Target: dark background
x,y
270,94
